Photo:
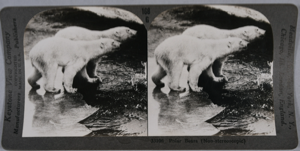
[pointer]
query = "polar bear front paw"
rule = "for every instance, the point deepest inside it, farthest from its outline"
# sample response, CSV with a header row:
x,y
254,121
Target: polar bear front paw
x,y
219,79
53,90
178,89
70,89
224,78
94,80
195,88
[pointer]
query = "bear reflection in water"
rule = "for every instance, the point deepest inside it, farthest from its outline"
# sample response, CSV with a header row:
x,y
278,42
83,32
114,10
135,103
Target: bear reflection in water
x,y
185,115
58,115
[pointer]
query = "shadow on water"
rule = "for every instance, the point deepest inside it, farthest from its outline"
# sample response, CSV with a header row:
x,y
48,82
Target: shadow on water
x,y
120,114
247,112
58,115
67,114
216,111
185,115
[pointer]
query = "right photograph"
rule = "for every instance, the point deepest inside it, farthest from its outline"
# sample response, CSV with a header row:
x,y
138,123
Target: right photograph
x,y
210,71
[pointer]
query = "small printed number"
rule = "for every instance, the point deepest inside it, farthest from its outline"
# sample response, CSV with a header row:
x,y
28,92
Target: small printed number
x,y
146,11
157,140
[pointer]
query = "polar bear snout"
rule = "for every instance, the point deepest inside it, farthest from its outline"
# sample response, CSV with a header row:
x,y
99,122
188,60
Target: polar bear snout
x,y
131,32
245,34
115,44
261,32
243,43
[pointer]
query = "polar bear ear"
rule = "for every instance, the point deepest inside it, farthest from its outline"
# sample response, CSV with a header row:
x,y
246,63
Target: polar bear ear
x,y
229,44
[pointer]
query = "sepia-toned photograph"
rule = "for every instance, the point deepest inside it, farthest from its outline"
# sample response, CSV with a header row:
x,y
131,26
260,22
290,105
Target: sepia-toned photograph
x,y
86,73
210,72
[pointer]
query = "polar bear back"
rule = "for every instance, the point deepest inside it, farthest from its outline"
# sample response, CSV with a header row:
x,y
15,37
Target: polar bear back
x,y
78,33
247,33
206,32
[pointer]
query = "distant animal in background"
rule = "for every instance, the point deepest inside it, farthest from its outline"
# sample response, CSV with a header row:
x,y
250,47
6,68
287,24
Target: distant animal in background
x,y
271,68
265,77
144,64
76,33
199,54
247,33
139,77
48,54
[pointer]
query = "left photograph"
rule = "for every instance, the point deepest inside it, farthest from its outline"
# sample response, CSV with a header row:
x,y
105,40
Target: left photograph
x,y
86,73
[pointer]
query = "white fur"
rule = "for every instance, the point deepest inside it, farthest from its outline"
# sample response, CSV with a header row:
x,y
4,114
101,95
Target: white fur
x,y
247,33
175,52
79,33
50,53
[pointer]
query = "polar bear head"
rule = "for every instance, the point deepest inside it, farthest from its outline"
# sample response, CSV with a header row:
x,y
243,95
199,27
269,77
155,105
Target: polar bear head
x,y
122,33
250,33
235,44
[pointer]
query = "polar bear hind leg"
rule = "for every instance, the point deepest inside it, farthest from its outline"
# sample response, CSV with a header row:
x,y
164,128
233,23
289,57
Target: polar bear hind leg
x,y
158,75
218,67
84,74
92,67
210,73
96,63
33,78
69,74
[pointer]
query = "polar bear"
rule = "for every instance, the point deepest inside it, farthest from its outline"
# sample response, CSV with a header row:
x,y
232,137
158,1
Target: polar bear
x,y
247,33
175,52
120,34
48,54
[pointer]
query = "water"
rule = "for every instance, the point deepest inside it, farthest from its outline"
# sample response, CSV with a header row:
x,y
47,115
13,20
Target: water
x,y
172,113
64,114
233,109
